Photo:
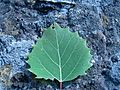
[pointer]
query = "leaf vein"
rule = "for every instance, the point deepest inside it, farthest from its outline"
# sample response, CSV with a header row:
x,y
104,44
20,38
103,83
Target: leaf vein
x,y
46,69
66,47
62,38
73,68
70,56
49,57
51,43
59,57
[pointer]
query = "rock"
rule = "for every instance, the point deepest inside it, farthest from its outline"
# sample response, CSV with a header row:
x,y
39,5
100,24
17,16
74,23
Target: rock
x,y
115,73
97,21
14,53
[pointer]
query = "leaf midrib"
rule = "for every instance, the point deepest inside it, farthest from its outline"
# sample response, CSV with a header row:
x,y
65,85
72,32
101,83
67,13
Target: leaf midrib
x,y
58,51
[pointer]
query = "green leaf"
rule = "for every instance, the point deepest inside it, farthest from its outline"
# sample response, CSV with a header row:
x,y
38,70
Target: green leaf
x,y
59,54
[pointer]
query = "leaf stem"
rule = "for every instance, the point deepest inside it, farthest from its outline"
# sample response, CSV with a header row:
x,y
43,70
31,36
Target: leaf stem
x,y
60,85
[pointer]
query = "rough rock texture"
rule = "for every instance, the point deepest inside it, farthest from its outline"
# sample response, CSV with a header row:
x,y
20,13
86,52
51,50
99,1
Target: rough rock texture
x,y
97,21
14,52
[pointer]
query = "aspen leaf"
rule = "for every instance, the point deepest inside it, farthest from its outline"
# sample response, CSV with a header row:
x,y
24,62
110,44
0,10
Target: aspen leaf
x,y
59,54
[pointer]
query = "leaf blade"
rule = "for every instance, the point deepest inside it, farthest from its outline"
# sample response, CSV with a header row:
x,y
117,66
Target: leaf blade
x,y
62,55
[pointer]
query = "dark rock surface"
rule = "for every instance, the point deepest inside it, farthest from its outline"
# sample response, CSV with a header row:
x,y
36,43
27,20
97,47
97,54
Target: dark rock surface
x,y
97,21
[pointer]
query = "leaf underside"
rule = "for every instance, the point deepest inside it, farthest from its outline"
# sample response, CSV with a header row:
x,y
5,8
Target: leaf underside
x,y
59,54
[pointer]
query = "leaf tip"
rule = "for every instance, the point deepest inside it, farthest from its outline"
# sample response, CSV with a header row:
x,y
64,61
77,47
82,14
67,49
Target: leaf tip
x,y
54,26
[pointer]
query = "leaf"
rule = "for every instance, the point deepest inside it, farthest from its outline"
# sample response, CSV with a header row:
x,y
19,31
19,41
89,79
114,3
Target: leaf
x,y
59,54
